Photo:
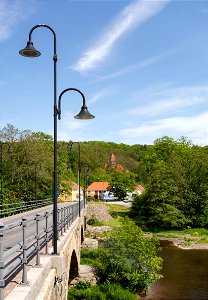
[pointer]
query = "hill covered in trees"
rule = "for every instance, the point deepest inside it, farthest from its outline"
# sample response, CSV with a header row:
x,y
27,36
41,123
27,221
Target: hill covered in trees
x,y
174,173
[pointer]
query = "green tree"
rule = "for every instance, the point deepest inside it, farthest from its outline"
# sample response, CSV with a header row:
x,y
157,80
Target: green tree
x,y
130,259
99,174
158,205
176,189
120,183
197,206
27,164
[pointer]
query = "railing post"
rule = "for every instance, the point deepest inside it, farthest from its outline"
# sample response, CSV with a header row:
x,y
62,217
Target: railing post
x,y
24,250
67,218
47,231
38,217
62,221
64,218
73,208
76,214
2,281
58,225
69,215
72,214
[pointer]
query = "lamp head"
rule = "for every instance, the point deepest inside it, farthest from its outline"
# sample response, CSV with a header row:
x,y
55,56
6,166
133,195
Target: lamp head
x,y
84,114
29,51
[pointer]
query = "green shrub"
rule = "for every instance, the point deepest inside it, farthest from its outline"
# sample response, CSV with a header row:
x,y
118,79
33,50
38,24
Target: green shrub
x,y
89,257
93,221
105,291
129,259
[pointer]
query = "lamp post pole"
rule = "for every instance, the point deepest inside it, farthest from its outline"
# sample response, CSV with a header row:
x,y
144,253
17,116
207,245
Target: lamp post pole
x,y
79,171
84,114
30,51
86,172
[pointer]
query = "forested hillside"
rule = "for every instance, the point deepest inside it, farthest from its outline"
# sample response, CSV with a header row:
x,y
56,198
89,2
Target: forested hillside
x,y
174,173
27,162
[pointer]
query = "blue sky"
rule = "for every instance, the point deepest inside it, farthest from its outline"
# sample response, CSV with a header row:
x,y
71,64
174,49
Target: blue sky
x,y
142,66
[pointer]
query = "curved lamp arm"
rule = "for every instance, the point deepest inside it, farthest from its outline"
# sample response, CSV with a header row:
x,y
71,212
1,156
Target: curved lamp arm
x,y
84,164
72,143
54,35
59,100
84,114
30,51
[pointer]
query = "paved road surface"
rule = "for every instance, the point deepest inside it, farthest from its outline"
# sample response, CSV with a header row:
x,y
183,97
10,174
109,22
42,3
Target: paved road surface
x,y
14,235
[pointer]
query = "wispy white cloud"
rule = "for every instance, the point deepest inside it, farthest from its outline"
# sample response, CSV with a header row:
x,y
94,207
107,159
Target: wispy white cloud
x,y
142,64
130,69
193,127
169,100
98,96
134,14
12,13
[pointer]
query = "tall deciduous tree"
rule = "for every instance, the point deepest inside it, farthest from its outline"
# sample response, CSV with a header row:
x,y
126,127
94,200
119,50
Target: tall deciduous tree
x,y
176,191
121,183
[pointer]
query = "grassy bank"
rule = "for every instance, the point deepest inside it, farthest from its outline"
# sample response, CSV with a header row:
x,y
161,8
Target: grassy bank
x,y
192,238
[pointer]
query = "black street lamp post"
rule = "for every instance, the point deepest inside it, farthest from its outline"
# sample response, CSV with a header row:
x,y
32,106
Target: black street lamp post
x,y
30,51
79,196
84,114
85,173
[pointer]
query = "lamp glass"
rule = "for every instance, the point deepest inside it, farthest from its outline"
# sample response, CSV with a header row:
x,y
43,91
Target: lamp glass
x,y
84,114
29,51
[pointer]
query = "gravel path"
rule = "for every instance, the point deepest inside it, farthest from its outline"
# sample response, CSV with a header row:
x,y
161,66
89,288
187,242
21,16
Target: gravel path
x,y
99,211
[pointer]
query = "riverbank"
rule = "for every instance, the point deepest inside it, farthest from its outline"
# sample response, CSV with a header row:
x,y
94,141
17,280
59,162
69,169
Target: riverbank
x,y
187,266
184,239
181,243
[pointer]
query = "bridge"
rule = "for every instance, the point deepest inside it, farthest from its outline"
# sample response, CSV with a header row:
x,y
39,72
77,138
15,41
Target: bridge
x,y
26,257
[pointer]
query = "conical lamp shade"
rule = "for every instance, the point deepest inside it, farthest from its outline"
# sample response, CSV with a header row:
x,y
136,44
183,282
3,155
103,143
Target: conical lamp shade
x,y
84,114
29,51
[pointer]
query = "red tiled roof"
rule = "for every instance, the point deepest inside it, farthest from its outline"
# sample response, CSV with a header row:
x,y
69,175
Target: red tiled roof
x,y
98,186
120,168
139,188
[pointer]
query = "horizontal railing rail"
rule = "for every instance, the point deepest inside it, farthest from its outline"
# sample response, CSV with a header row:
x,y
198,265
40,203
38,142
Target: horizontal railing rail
x,y
8,209
36,233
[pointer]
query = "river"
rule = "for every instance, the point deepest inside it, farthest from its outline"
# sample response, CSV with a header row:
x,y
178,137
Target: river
x,y
185,275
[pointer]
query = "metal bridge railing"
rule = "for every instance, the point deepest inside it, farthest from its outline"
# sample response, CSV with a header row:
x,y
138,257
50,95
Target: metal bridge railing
x,y
8,209
16,258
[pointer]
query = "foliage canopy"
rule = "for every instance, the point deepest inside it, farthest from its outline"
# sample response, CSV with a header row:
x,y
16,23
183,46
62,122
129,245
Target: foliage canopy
x,y
130,259
173,173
